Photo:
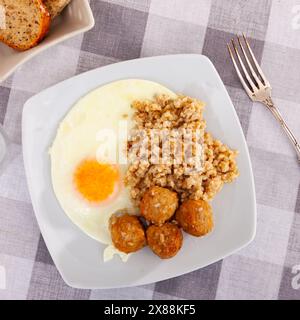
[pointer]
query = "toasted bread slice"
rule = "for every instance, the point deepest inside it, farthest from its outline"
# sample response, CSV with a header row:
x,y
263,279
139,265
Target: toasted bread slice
x,y
26,23
55,7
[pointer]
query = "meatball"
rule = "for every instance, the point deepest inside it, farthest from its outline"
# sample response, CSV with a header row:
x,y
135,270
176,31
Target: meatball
x,y
165,241
158,205
127,233
195,217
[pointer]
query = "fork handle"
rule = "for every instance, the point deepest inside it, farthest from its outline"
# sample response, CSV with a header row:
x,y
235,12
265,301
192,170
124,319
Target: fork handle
x,y
271,106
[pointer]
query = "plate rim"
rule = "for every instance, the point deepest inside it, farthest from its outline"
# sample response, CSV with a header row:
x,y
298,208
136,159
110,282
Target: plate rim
x,y
139,282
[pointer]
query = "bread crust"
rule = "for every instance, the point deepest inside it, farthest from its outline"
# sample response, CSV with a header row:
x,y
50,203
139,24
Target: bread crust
x,y
55,7
44,28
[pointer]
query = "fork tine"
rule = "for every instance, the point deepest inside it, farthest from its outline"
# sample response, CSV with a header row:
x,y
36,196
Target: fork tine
x,y
251,83
258,81
266,82
249,92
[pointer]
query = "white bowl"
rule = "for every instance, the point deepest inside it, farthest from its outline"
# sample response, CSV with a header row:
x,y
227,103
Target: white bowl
x,y
79,257
75,19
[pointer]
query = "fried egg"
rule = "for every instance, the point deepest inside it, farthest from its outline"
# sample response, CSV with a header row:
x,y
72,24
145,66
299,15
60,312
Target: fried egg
x,y
86,167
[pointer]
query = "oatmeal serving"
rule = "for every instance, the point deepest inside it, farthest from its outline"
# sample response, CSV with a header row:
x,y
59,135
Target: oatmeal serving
x,y
170,148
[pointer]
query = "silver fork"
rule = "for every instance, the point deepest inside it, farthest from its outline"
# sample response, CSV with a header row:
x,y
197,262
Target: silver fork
x,y
256,84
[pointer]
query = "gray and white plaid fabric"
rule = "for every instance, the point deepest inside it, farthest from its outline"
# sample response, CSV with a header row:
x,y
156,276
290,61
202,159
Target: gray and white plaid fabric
x,y
127,29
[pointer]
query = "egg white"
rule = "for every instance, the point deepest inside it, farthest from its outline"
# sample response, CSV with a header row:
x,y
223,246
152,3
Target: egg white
x,y
76,140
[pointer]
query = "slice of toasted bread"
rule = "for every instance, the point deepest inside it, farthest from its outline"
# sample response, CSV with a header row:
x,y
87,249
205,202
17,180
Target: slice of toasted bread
x,y
26,23
55,7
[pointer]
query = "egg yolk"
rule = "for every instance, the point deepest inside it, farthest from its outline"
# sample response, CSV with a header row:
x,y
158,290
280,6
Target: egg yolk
x,y
95,181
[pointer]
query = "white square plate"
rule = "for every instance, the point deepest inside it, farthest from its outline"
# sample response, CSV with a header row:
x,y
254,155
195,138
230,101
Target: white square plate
x,y
78,257
75,19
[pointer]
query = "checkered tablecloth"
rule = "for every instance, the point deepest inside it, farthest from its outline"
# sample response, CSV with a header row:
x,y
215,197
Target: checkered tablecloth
x,y
127,29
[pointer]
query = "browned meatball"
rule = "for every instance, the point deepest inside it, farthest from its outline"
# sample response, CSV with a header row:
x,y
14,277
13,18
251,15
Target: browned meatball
x,y
158,205
195,217
165,241
127,233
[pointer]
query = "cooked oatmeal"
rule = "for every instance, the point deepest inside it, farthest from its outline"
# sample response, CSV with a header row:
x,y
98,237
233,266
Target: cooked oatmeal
x,y
194,164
